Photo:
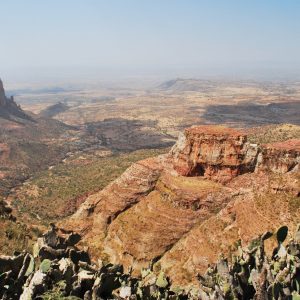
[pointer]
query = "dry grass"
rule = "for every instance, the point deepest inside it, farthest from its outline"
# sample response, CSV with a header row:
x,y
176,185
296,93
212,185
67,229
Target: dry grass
x,y
274,133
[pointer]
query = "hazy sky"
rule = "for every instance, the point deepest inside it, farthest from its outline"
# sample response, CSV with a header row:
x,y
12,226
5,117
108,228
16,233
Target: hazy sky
x,y
149,35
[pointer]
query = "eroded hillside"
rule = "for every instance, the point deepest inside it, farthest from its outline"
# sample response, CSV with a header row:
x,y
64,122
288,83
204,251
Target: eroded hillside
x,y
179,211
48,168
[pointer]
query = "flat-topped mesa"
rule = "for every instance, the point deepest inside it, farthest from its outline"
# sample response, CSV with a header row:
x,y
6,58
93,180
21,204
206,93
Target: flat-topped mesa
x,y
215,152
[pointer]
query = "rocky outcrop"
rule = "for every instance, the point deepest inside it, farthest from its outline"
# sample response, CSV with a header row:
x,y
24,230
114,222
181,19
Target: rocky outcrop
x,y
9,108
281,157
150,228
220,154
215,152
5,101
259,204
5,210
184,208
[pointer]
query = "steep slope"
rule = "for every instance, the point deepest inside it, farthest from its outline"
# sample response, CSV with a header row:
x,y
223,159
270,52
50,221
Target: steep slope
x,y
27,142
9,109
99,210
252,211
185,208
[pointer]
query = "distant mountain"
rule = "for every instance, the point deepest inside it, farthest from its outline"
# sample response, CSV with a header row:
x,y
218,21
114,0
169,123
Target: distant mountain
x,y
28,142
47,90
9,109
54,109
184,85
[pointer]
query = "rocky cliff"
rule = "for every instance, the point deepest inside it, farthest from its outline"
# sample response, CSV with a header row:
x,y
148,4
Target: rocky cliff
x,y
217,153
8,107
179,211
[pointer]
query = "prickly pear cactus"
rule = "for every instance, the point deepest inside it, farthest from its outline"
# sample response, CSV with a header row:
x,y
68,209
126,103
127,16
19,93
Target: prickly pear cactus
x,y
31,266
45,265
161,280
296,296
254,275
36,250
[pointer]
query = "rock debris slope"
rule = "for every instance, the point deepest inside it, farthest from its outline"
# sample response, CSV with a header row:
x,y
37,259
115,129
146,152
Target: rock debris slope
x,y
179,211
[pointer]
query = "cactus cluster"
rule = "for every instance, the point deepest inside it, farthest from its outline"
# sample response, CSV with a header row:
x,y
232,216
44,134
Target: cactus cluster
x,y
254,275
58,270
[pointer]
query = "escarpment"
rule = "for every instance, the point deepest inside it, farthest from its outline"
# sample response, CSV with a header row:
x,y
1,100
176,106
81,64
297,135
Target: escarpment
x,y
181,210
217,153
9,108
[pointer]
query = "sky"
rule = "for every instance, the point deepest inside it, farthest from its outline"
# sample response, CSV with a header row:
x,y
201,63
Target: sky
x,y
174,37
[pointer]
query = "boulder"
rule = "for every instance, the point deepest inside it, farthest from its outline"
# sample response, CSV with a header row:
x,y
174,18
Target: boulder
x,y
36,285
125,292
13,263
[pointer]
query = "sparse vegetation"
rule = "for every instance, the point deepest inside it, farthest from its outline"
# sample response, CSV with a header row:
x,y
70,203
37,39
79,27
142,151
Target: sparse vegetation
x,y
146,120
14,236
69,275
274,133
57,192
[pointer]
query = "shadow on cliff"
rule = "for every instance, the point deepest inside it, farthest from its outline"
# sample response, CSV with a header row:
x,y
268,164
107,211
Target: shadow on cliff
x,y
253,114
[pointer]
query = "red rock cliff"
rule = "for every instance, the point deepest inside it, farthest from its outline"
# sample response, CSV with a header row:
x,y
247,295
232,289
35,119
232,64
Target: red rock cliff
x,y
215,152
281,157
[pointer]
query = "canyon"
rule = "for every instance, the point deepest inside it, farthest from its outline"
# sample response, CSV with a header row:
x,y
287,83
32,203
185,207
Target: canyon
x,y
173,210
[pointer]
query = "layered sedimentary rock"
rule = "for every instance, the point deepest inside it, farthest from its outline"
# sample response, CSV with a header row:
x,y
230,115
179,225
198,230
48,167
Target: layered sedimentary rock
x,y
100,209
257,206
281,157
216,153
184,208
150,228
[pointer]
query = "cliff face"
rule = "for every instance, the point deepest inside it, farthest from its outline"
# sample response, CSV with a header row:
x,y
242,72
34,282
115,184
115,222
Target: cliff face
x,y
8,107
184,208
2,94
280,157
217,153
220,154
